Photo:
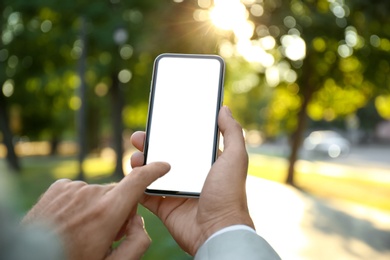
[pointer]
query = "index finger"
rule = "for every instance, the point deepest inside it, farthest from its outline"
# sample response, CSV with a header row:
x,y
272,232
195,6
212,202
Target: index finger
x,y
129,190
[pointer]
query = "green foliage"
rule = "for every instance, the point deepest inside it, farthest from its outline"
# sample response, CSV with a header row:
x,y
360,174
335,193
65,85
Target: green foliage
x,y
41,48
346,64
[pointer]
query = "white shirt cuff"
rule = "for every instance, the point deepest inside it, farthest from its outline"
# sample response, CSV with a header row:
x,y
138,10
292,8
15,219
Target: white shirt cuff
x,y
230,228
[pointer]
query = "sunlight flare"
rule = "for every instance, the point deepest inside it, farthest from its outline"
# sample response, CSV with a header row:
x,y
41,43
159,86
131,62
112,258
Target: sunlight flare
x,y
228,14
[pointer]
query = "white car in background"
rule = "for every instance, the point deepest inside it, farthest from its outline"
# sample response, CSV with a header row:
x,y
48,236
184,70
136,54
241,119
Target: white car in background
x,y
327,142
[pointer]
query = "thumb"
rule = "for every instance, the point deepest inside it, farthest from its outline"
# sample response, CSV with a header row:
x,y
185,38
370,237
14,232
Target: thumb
x,y
136,242
231,130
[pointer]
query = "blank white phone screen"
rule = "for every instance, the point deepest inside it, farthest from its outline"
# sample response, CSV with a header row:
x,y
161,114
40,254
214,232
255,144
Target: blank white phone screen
x,y
182,121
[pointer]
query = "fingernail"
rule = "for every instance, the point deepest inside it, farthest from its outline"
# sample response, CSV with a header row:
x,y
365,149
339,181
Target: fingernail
x,y
141,221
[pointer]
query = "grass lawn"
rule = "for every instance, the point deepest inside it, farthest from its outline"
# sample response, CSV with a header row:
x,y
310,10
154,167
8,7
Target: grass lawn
x,y
320,180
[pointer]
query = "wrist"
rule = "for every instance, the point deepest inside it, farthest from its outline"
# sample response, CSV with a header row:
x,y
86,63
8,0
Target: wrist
x,y
221,225
231,228
241,219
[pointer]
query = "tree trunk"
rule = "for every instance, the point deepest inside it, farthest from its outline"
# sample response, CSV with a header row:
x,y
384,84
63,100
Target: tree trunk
x,y
308,86
117,107
296,138
54,145
12,158
81,113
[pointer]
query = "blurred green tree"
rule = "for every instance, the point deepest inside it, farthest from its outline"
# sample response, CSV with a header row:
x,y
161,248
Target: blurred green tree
x,y
322,59
41,51
59,57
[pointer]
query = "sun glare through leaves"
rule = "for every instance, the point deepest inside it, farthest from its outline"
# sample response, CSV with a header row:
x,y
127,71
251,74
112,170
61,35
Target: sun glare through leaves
x,y
232,16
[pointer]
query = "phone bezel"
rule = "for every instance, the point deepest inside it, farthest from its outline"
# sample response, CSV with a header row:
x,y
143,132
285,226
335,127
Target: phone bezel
x,y
150,115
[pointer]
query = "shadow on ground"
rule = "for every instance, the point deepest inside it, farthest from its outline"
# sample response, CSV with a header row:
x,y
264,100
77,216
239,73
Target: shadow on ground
x,y
300,226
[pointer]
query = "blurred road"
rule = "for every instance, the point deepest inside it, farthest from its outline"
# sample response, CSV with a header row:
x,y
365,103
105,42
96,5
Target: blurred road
x,y
372,155
300,226
367,155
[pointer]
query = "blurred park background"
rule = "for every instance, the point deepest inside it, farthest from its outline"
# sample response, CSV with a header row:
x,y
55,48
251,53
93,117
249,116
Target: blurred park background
x,y
308,80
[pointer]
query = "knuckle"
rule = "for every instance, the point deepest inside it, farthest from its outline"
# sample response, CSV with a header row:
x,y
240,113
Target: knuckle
x,y
60,183
136,174
75,187
59,186
88,191
63,180
136,171
78,183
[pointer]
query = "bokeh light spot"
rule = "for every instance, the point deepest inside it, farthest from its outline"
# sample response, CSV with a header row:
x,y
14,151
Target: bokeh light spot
x,y
101,89
204,3
257,10
382,104
75,103
3,55
334,151
319,44
8,88
126,51
46,26
294,47
375,40
344,50
124,76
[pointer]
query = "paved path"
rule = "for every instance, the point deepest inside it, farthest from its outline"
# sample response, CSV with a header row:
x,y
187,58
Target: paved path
x,y
300,226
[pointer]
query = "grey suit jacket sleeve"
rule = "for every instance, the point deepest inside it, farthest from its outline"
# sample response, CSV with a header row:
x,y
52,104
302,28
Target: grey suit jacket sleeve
x,y
236,244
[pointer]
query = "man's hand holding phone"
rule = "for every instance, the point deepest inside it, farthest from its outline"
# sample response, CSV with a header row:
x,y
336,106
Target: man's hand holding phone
x,y
222,202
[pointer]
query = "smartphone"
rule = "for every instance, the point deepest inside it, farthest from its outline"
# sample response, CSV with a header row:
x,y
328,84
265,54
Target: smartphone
x,y
185,97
